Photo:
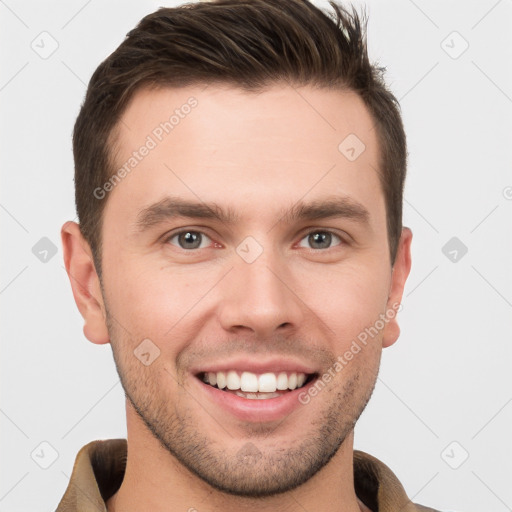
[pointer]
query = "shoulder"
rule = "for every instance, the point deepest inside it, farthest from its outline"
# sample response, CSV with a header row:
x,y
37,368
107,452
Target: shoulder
x,y
379,488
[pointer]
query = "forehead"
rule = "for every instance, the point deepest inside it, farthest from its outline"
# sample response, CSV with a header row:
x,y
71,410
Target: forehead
x,y
326,115
219,143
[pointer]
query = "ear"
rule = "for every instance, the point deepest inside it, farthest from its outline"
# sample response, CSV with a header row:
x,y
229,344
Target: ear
x,y
85,282
401,270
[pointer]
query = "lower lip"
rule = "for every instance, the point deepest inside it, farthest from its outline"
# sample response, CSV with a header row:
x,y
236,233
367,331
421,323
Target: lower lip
x,y
255,410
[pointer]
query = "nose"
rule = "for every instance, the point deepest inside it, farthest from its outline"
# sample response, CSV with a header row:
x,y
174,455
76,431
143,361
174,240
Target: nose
x,y
260,297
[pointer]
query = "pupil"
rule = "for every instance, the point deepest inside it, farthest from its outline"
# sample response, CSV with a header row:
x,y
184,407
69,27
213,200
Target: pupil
x,y
322,238
190,238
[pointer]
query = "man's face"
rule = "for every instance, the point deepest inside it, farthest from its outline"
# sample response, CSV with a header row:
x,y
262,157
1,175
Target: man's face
x,y
266,293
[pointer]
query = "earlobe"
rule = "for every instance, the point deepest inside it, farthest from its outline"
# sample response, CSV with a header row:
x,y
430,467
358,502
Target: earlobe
x,y
85,283
400,272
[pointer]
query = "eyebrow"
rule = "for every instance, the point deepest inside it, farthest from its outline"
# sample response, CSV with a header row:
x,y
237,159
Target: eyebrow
x,y
175,207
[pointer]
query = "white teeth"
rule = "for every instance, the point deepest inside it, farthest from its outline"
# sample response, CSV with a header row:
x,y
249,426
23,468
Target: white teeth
x,y
267,383
249,382
221,380
282,381
232,380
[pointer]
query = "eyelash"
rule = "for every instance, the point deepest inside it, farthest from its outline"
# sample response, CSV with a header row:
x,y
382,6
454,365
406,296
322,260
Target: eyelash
x,y
174,235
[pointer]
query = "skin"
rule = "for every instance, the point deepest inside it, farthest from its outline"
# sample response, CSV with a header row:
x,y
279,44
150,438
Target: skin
x,y
257,154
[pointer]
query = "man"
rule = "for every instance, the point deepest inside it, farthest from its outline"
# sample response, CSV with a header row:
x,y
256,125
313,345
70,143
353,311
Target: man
x,y
239,170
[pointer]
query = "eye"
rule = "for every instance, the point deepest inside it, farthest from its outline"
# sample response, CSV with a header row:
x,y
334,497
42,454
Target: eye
x,y
188,239
321,239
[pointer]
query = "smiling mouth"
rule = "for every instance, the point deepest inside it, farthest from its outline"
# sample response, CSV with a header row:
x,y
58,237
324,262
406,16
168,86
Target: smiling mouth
x,y
256,386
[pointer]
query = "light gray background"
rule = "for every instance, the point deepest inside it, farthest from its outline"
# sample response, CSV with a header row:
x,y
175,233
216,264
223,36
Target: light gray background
x,y
448,377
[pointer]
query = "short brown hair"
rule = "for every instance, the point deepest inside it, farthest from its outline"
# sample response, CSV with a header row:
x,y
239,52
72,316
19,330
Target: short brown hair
x,y
249,44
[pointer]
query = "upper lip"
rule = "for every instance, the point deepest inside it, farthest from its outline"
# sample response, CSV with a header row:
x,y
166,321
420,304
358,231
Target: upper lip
x,y
248,364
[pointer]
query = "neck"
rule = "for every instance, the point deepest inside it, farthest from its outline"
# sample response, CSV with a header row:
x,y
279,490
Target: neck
x,y
154,480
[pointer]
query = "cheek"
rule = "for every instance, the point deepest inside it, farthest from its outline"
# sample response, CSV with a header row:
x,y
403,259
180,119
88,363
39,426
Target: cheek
x,y
154,301
348,298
